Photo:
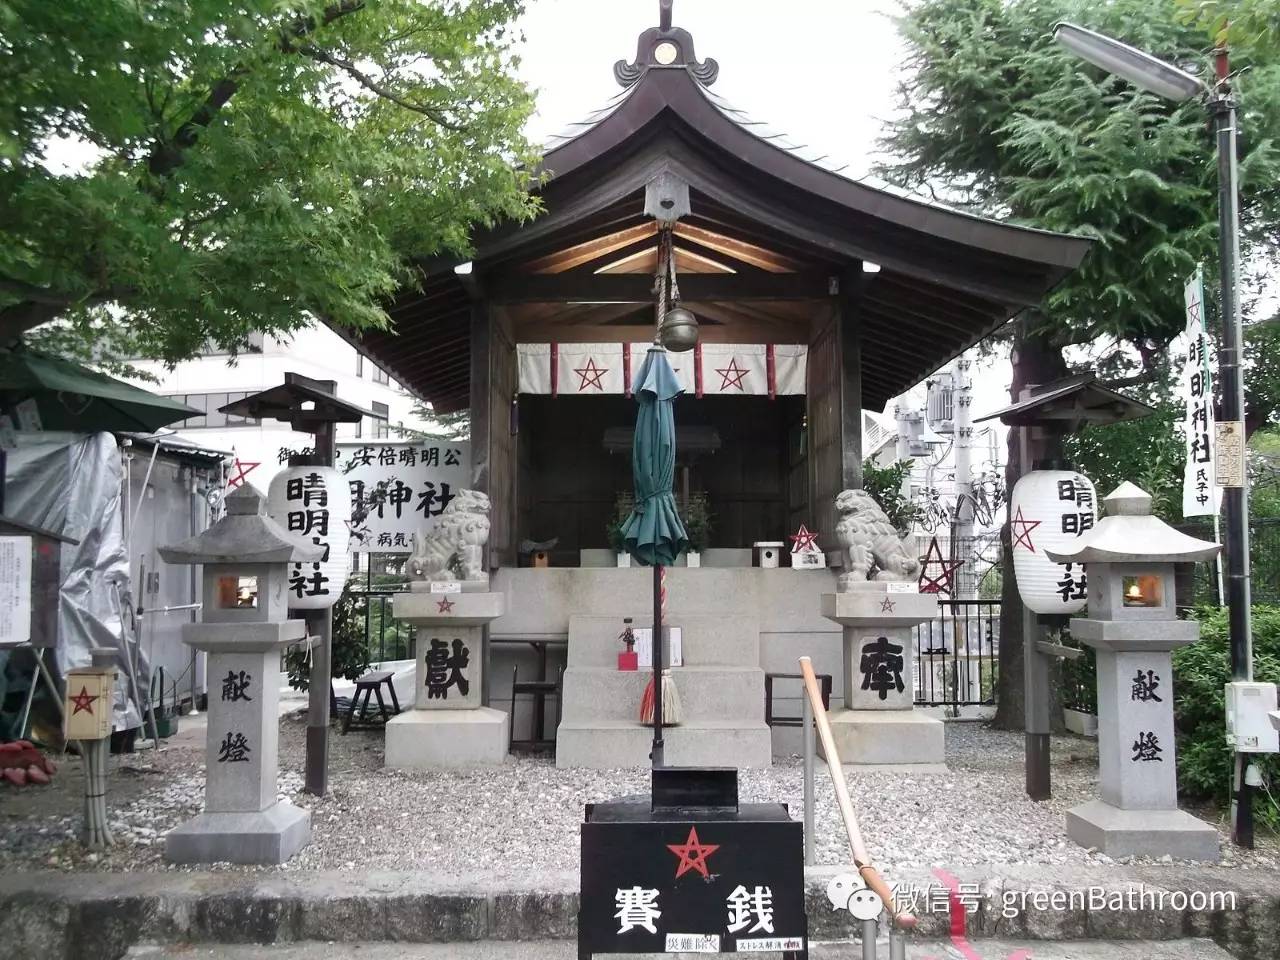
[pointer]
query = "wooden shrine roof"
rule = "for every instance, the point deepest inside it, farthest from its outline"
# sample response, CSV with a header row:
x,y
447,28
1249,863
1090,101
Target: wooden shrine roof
x,y
775,230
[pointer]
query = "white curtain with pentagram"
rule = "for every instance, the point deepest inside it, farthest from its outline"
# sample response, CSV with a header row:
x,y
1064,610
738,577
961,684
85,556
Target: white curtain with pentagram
x,y
713,369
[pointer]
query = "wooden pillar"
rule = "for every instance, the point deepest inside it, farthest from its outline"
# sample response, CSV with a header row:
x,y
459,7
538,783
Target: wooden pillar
x,y
849,306
481,373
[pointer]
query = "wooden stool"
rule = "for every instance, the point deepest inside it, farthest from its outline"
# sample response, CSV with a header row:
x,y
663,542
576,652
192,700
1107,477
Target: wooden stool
x,y
371,685
539,690
770,719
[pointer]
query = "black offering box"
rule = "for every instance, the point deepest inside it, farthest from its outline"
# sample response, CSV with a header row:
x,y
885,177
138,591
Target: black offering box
x,y
689,869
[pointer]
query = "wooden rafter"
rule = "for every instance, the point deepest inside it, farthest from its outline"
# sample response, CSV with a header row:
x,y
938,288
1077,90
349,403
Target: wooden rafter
x,y
738,249
646,261
583,253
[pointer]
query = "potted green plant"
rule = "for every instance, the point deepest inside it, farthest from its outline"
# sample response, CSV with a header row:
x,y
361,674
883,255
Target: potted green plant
x,y
696,515
1080,694
621,510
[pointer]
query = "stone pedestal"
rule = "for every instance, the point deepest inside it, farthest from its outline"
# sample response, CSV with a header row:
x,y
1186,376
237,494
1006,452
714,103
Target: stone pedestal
x,y
1138,813
879,724
242,821
447,726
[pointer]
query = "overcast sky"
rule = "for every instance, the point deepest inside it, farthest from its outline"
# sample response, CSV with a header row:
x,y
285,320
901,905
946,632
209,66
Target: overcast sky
x,y
822,71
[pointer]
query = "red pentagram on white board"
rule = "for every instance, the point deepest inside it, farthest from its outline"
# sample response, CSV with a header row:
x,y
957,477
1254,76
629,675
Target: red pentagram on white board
x,y
1022,536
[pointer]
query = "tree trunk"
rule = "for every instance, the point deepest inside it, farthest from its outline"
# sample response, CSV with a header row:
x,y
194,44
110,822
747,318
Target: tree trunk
x,y
1035,360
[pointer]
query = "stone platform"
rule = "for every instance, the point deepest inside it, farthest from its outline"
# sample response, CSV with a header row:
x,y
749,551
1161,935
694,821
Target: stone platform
x,y
427,739
905,739
271,836
99,916
1142,833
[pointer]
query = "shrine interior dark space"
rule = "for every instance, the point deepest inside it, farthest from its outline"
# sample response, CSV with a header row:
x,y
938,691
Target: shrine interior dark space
x,y
746,454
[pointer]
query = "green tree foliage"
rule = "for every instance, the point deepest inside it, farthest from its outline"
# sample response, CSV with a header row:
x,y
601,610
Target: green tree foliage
x,y
248,164
1201,671
1251,24
1149,452
440,426
350,653
1000,118
885,486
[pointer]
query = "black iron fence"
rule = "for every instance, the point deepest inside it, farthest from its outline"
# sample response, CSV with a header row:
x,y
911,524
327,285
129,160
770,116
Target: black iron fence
x,y
1264,563
957,655
385,637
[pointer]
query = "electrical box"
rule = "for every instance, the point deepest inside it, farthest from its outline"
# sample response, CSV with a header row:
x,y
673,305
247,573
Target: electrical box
x,y
1249,728
88,703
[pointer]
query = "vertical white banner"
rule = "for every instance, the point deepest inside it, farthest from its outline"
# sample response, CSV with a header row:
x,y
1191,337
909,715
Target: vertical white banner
x,y
1200,496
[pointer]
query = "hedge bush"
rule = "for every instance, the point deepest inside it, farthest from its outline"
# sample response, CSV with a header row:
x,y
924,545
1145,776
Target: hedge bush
x,y
1200,672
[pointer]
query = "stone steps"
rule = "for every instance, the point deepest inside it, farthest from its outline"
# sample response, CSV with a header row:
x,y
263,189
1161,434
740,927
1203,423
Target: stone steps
x,y
706,693
606,744
707,639
721,690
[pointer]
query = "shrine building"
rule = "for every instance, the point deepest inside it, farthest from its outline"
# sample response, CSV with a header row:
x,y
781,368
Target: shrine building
x,y
816,295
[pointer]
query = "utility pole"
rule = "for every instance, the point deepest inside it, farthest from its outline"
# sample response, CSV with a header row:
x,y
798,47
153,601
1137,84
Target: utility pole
x,y
1222,108
966,584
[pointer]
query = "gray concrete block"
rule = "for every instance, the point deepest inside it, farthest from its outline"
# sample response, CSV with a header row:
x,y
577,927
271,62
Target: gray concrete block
x,y
705,640
534,916
443,610
887,737
37,925
244,916
438,918
706,693
604,745
433,739
1142,833
540,601
271,836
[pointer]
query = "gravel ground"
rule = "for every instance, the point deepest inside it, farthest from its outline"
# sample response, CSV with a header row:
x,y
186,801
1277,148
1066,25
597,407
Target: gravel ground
x,y
522,819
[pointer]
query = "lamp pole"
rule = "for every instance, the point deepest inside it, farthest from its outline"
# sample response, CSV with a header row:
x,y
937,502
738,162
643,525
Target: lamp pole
x,y
1168,81
1222,108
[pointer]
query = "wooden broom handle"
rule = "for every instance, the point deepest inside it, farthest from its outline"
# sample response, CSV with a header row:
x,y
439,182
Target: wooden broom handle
x,y
861,859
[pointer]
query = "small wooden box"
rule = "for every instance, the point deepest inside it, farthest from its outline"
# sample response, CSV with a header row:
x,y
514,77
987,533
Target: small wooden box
x,y
541,559
88,704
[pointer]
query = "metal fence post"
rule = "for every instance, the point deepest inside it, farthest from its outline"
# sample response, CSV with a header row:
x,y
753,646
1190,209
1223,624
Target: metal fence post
x,y
869,930
806,724
897,943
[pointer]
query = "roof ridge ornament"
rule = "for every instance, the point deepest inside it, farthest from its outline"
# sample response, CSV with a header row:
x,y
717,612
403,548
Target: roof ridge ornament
x,y
665,47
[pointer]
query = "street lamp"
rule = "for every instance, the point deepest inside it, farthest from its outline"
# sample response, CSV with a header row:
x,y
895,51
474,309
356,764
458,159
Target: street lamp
x,y
1166,80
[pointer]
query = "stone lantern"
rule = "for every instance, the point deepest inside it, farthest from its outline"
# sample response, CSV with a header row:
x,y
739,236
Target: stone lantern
x,y
246,557
1133,626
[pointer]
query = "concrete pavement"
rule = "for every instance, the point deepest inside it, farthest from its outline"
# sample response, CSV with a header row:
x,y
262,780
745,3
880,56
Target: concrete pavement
x,y
567,950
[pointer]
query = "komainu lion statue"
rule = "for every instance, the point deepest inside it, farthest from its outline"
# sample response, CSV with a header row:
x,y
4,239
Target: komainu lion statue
x,y
874,550
454,550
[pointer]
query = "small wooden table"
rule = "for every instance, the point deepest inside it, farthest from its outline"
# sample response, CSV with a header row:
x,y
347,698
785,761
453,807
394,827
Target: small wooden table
x,y
371,685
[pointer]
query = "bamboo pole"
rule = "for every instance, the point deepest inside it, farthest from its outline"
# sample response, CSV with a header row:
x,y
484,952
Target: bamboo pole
x,y
861,859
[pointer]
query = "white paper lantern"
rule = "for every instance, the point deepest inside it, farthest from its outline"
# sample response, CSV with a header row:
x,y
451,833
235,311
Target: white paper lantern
x,y
1049,509
314,503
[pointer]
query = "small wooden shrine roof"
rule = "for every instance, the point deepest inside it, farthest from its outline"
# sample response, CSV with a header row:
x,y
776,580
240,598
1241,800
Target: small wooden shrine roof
x,y
776,231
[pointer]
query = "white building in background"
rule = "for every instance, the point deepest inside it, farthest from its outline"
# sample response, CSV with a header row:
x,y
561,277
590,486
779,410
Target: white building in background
x,y
214,380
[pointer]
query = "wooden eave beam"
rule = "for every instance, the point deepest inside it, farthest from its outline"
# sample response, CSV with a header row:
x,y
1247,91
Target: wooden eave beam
x,y
638,288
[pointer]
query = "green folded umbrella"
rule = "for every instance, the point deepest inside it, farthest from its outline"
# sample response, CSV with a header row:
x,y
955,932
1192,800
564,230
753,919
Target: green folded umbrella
x,y
653,533
70,396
